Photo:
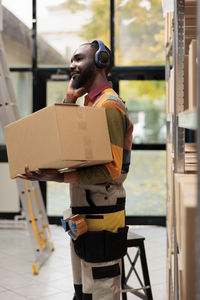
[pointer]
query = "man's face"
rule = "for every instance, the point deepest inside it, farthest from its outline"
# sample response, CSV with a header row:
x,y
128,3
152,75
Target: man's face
x,y
82,67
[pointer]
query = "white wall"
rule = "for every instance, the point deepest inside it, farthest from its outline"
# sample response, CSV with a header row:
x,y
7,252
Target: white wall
x,y
9,199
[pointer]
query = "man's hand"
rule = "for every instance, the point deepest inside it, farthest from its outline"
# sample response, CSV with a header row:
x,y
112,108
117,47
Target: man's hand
x,y
41,175
73,94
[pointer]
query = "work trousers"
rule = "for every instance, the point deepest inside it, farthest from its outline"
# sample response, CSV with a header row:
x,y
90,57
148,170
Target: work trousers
x,y
96,281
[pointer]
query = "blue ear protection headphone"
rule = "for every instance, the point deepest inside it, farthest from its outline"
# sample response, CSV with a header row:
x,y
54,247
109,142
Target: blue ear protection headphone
x,y
102,57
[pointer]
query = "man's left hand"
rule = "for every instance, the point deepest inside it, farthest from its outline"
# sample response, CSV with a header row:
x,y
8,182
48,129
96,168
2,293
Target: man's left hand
x,y
41,175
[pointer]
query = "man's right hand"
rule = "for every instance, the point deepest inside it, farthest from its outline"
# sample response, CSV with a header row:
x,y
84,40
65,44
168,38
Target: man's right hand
x,y
73,94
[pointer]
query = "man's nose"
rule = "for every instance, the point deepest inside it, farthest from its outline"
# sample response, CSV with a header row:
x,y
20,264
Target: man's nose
x,y
72,66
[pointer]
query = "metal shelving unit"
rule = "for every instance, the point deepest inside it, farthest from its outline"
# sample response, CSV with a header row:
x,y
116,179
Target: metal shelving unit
x,y
197,233
178,122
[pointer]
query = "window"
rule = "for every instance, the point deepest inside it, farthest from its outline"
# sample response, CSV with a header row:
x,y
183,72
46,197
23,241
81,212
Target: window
x,y
139,33
64,25
22,84
16,35
146,103
146,184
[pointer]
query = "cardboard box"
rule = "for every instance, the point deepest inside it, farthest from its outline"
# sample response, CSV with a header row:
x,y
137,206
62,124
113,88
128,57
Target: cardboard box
x,y
189,205
182,180
58,136
192,74
186,104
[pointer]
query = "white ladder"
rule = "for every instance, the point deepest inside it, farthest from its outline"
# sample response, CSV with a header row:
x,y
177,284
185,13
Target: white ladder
x,y
29,191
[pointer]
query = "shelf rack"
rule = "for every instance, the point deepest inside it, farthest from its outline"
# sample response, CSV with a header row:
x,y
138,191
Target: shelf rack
x,y
176,125
197,231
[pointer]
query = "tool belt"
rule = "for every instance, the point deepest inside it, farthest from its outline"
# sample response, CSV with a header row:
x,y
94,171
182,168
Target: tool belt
x,y
101,246
106,237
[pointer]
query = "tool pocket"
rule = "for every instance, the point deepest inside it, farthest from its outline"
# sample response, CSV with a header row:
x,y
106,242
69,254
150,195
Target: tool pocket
x,y
101,246
106,272
116,243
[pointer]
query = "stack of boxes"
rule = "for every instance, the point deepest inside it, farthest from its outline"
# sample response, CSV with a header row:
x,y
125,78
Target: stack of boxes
x,y
182,188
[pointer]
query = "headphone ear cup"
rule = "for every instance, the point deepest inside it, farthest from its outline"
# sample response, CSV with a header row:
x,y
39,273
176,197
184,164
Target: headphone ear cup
x,y
102,59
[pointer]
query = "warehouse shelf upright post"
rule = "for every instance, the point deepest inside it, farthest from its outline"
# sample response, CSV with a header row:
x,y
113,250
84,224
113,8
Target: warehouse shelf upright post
x,y
182,114
197,233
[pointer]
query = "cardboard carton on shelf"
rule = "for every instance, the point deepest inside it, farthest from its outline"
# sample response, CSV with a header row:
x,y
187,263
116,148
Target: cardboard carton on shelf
x,y
186,104
171,98
168,27
180,181
58,136
190,8
190,21
192,74
188,219
180,278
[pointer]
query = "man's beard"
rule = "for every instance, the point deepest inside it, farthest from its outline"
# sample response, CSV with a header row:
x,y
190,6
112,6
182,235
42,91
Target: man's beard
x,y
84,77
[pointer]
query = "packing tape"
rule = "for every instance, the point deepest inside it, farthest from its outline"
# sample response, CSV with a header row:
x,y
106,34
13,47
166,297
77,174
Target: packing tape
x,y
82,124
77,225
88,147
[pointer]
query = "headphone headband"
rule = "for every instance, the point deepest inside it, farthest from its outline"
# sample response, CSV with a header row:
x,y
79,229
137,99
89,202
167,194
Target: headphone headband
x,y
102,57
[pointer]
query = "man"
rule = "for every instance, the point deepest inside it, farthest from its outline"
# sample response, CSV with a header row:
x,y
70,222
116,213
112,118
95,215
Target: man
x,y
97,192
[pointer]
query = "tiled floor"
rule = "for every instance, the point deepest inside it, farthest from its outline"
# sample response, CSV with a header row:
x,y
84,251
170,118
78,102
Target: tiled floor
x,y
54,281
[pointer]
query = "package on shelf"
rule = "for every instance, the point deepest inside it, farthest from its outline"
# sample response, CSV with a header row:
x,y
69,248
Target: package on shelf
x,y
167,87
168,279
170,197
172,270
189,205
191,154
190,147
171,94
169,17
191,160
186,104
180,278
192,74
180,180
190,8
190,23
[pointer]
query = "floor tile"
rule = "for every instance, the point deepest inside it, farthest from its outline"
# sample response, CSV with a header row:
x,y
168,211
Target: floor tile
x,y
61,296
8,295
34,291
2,289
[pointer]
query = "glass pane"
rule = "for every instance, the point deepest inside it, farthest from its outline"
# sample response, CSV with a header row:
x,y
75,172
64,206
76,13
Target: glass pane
x,y
2,138
146,103
146,184
57,198
56,91
17,21
65,24
139,32
22,84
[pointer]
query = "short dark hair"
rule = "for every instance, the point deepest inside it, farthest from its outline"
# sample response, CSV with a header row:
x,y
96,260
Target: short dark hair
x,y
95,46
